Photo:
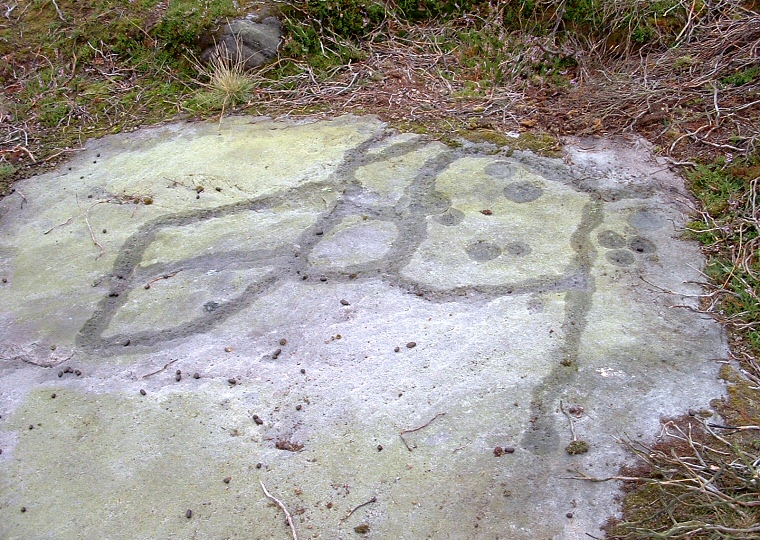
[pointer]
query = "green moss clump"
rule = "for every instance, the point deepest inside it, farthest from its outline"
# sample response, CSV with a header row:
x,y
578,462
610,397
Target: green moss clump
x,y
577,447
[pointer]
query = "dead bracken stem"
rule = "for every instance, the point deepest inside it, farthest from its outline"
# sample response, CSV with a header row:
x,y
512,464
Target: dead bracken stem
x,y
570,419
165,276
355,508
282,506
426,424
92,234
160,370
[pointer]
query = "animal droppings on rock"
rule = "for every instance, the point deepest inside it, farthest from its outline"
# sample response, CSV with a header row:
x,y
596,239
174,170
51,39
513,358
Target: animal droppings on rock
x,y
344,303
411,345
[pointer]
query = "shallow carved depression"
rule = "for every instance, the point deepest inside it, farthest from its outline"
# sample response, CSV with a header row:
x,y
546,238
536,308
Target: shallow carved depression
x,y
483,251
522,192
345,314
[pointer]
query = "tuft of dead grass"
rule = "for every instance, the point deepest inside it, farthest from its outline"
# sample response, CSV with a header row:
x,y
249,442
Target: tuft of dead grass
x,y
225,81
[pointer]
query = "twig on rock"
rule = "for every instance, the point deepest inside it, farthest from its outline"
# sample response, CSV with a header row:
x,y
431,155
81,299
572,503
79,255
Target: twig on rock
x,y
372,500
426,424
282,506
160,370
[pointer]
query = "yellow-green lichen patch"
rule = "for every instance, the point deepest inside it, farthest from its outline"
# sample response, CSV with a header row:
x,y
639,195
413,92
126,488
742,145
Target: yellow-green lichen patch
x,y
515,226
350,466
187,295
237,233
126,467
51,281
254,158
390,177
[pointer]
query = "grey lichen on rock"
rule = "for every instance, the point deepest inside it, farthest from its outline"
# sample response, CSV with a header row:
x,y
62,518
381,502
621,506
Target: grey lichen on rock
x,y
245,41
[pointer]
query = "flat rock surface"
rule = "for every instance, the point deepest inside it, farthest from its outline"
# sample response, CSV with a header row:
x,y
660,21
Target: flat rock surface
x,y
348,315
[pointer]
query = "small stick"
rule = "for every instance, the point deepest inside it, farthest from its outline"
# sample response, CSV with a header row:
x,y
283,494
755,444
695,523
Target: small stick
x,y
61,152
24,149
736,428
23,199
584,476
52,363
165,276
51,229
426,424
282,506
160,370
58,10
92,235
572,427
372,500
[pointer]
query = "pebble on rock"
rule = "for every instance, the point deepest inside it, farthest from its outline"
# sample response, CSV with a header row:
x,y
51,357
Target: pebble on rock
x,y
411,345
189,514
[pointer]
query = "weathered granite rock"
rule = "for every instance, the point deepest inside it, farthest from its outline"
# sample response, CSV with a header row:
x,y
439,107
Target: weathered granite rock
x,y
246,40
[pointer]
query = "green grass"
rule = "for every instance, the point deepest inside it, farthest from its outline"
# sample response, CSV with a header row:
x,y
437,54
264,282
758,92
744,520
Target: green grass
x,y
730,232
